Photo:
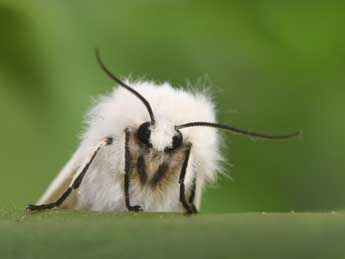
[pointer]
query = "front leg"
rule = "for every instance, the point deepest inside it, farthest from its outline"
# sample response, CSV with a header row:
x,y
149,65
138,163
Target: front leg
x,y
127,175
74,186
190,208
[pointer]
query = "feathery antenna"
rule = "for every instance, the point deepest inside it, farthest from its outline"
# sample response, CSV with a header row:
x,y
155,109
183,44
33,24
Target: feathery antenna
x,y
117,80
233,129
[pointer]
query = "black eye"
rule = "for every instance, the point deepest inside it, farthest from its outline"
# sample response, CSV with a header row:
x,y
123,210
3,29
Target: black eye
x,y
176,141
144,134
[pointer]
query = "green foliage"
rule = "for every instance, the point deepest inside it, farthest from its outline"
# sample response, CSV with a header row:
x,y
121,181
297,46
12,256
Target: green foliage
x,y
279,64
69,234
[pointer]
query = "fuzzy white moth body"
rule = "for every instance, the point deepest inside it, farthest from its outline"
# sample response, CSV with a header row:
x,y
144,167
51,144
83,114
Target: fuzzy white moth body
x,y
102,187
146,147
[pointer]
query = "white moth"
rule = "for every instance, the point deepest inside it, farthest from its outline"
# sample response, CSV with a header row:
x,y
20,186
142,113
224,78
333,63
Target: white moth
x,y
147,147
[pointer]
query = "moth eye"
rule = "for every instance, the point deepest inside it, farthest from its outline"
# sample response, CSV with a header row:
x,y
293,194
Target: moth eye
x,y
176,141
144,134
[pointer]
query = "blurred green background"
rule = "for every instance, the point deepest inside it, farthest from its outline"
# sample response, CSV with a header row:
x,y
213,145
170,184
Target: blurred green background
x,y
274,66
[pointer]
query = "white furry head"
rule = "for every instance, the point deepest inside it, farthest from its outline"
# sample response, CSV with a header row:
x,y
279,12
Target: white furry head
x,y
162,133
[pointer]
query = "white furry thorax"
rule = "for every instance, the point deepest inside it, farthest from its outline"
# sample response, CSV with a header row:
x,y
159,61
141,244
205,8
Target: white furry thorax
x,y
171,106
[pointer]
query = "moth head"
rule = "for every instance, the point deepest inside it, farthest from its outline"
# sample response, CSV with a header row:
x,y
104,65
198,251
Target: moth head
x,y
162,136
168,137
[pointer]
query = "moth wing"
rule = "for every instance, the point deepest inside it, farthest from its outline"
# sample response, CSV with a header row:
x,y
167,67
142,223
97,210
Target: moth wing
x,y
62,181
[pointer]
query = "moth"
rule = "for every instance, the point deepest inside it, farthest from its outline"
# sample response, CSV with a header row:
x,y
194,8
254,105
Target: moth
x,y
147,147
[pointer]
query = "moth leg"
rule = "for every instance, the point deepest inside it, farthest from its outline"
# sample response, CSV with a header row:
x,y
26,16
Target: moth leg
x,y
192,195
127,175
190,209
75,185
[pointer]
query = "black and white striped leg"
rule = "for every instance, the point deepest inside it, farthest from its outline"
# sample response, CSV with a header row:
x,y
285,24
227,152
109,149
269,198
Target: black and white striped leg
x,y
75,185
127,175
190,208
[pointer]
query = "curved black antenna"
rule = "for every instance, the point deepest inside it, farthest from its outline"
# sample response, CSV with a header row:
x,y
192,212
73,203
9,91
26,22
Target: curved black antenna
x,y
240,131
112,76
